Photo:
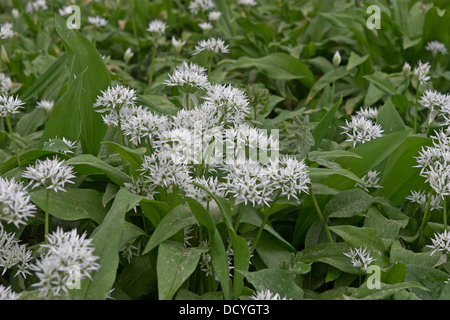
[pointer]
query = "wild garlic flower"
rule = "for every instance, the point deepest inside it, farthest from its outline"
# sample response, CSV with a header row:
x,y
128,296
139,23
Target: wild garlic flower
x,y
178,44
140,187
361,130
214,15
436,102
200,119
37,5
249,3
267,295
10,105
16,207
50,174
98,21
440,243
289,176
141,124
5,84
211,45
206,265
368,113
205,26
188,76
157,27
370,180
212,184
65,11
6,31
360,258
63,145
421,72
421,198
201,5
67,254
47,105
13,254
15,13
436,47
128,55
232,102
115,98
188,236
6,293
406,70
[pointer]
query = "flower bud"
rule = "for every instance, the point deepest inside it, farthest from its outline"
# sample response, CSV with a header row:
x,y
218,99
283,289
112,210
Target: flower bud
x,y
337,59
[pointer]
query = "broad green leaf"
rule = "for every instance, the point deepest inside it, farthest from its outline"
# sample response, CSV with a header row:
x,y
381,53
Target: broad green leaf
x,y
271,251
154,210
389,119
321,129
382,82
355,60
384,292
84,57
319,174
107,240
174,265
433,281
276,280
201,214
30,122
159,104
129,155
88,164
348,203
278,66
72,205
326,79
408,257
178,218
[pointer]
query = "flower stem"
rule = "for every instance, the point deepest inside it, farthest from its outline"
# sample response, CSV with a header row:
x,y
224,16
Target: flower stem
x,y
150,76
416,115
47,217
425,215
241,211
319,213
444,213
8,122
210,63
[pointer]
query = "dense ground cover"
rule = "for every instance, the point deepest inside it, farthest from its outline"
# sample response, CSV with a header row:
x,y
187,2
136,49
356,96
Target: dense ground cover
x,y
119,118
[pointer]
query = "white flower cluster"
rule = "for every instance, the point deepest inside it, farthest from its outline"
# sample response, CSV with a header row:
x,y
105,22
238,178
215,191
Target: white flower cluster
x,y
6,293
421,72
157,27
267,295
13,254
437,103
434,163
50,174
421,198
436,47
188,76
47,105
6,30
5,84
16,207
9,105
98,21
440,243
201,5
360,258
67,255
35,6
370,180
215,45
362,127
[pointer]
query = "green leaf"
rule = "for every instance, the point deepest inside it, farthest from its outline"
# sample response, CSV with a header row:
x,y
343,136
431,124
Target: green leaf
x,y
355,60
384,292
326,79
381,82
319,174
278,66
431,279
201,214
178,218
159,104
174,265
154,210
30,122
88,164
321,129
129,155
408,257
348,203
84,58
107,240
389,119
276,280
72,205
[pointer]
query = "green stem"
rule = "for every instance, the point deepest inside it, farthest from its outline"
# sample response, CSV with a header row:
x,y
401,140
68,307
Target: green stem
x,y
47,217
416,114
334,83
425,215
241,210
210,63
8,122
319,213
150,76
444,213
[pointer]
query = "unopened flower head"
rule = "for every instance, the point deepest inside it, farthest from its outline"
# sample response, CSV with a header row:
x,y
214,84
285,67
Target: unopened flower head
x,y
215,45
47,105
249,3
66,253
205,26
178,44
421,72
10,105
5,84
157,27
50,174
98,21
128,55
337,59
6,31
201,5
406,70
188,75
360,258
436,47
16,207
